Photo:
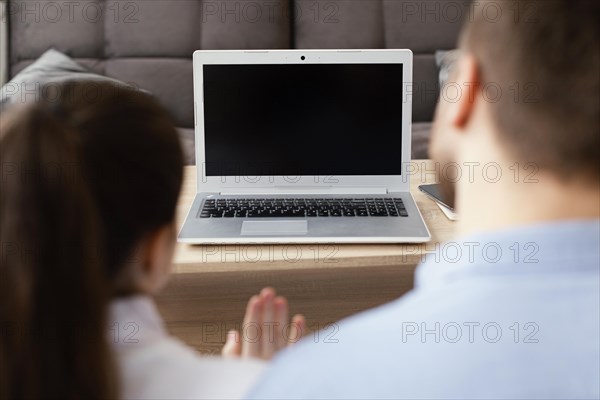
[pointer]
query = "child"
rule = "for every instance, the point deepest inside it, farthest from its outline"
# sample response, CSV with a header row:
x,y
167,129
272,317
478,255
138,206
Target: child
x,y
130,161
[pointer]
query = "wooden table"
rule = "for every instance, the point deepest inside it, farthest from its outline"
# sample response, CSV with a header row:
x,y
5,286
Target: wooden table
x,y
210,285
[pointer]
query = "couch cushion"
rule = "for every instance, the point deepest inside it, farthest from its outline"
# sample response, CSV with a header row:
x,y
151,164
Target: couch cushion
x,y
421,133
169,79
339,24
187,141
228,24
423,26
75,28
425,87
234,24
147,29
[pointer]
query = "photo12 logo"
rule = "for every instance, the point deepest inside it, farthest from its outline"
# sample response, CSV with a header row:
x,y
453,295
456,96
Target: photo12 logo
x,y
471,172
469,332
213,332
53,12
459,11
255,253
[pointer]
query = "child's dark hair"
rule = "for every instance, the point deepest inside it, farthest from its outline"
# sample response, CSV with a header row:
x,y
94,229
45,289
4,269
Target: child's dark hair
x,y
53,291
133,158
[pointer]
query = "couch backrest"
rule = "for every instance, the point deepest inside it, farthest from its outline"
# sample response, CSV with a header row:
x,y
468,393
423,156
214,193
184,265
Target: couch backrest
x,y
150,42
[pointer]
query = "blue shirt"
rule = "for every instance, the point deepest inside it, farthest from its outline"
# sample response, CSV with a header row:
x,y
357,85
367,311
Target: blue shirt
x,y
506,314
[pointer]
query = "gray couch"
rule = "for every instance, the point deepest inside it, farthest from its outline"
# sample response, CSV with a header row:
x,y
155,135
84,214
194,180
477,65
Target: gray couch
x,y
150,42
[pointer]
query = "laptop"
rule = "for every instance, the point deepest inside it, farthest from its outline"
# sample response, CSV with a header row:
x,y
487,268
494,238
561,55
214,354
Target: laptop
x,y
297,146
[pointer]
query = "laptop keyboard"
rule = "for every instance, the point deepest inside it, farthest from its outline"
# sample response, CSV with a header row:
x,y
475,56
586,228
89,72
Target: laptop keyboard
x,y
302,208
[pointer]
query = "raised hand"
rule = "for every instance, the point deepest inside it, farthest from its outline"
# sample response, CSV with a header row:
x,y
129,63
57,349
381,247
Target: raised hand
x,y
267,328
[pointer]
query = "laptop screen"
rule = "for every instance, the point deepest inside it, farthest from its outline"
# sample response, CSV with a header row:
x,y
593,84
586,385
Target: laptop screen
x,y
303,119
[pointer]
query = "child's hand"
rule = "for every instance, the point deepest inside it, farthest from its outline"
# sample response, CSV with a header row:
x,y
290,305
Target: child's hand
x,y
267,328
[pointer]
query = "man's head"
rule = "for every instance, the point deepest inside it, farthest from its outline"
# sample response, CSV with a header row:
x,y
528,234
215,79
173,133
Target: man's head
x,y
529,80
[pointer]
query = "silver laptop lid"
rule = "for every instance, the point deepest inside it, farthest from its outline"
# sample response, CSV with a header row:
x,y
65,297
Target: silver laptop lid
x,y
293,122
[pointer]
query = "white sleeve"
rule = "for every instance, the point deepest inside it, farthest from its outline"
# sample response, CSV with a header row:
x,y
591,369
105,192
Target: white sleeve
x,y
170,370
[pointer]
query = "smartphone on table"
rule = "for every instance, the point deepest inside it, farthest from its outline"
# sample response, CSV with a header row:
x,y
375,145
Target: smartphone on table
x,y
434,193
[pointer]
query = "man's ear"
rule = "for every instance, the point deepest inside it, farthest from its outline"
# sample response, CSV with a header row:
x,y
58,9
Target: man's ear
x,y
468,80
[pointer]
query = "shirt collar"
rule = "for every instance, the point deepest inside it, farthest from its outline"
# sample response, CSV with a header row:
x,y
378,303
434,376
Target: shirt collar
x,y
134,321
552,247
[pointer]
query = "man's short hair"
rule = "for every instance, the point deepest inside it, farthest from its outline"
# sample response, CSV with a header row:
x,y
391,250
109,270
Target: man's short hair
x,y
540,67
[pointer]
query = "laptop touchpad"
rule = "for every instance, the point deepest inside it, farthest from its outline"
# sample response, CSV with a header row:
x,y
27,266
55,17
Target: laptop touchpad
x,y
279,228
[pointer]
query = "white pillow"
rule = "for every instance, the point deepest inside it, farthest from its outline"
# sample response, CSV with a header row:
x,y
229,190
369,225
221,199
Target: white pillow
x,y
446,62
52,67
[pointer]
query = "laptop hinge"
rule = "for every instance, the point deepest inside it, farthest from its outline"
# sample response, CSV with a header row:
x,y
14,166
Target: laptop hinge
x,y
304,191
